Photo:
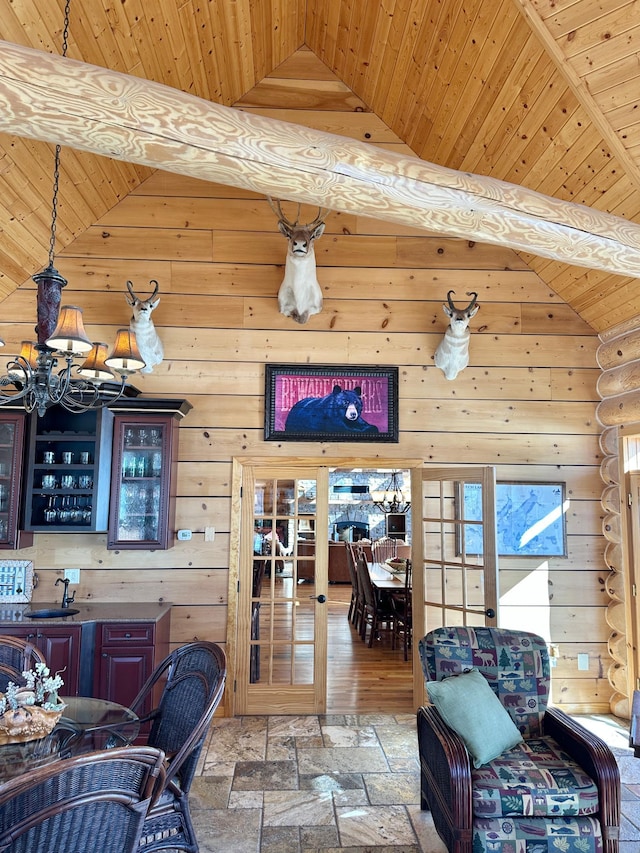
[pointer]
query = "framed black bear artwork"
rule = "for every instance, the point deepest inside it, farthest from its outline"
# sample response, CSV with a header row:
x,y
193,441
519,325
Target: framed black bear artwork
x,y
325,403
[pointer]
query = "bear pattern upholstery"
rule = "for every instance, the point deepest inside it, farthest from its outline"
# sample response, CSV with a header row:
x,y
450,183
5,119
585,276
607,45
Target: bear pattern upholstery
x,y
558,790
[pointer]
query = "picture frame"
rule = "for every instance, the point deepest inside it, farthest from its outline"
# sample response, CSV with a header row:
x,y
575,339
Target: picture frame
x,y
530,519
363,408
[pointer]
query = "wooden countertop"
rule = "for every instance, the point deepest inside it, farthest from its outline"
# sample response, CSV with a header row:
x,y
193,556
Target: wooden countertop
x,y
146,611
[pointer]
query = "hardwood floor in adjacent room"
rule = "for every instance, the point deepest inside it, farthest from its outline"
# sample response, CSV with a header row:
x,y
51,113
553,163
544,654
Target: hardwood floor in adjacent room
x,y
363,680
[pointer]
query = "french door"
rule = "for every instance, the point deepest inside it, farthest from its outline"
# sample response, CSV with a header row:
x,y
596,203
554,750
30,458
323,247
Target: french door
x,y
458,584
282,625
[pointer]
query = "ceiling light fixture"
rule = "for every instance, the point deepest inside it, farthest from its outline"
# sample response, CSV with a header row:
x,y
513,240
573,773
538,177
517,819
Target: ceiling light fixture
x,y
389,498
33,376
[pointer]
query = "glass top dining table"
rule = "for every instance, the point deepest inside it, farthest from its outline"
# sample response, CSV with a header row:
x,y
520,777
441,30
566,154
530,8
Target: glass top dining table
x,y
87,724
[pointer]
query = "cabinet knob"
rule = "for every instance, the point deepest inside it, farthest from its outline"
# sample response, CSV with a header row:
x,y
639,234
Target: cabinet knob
x,y
104,654
127,635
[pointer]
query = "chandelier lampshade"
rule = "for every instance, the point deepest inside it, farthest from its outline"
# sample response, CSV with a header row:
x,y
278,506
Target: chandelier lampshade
x,y
125,356
69,336
94,366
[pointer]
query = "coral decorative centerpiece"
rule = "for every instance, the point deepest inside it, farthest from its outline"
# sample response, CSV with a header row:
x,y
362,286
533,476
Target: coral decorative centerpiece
x,y
30,711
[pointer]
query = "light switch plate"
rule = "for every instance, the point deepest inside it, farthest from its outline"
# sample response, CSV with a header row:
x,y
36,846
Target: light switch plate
x,y
72,575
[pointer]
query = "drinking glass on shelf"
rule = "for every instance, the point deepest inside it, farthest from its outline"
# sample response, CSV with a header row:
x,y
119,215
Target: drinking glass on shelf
x,y
68,481
48,481
129,438
143,437
156,436
156,464
85,458
49,457
87,509
67,457
85,481
64,513
51,510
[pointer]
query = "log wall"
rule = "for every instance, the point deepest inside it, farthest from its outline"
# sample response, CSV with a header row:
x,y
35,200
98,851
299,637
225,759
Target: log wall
x,y
525,404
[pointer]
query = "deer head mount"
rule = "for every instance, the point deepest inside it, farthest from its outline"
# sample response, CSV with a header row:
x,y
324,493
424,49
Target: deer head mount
x,y
300,295
141,325
452,354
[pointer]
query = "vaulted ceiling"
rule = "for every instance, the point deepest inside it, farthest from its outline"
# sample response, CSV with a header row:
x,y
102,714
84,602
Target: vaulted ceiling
x,y
540,93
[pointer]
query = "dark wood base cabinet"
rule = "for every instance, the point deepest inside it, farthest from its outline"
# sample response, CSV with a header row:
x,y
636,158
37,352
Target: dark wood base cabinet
x,y
107,659
60,644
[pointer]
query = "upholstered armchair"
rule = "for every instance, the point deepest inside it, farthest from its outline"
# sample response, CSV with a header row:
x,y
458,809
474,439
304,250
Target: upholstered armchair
x,y
501,771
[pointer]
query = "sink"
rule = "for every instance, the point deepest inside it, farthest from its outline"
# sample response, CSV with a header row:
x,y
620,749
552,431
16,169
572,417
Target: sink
x,y
51,613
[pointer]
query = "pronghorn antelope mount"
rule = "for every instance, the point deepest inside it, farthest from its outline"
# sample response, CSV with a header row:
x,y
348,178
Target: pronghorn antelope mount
x,y
452,354
300,295
141,325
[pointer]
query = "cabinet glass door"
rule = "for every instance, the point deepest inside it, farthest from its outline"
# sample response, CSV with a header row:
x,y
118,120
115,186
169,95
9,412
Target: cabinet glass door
x,y
11,445
140,490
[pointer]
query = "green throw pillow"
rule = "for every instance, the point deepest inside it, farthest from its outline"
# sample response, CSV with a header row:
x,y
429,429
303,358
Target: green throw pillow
x,y
470,707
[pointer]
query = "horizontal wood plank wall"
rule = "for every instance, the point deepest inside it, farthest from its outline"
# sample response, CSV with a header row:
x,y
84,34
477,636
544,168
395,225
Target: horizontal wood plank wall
x,y
525,404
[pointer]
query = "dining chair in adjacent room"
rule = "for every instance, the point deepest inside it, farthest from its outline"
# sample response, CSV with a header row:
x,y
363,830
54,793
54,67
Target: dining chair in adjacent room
x,y
192,680
377,613
403,614
17,656
383,549
356,605
96,801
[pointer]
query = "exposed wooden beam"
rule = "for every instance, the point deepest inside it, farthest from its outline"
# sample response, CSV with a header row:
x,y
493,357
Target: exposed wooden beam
x,y
48,97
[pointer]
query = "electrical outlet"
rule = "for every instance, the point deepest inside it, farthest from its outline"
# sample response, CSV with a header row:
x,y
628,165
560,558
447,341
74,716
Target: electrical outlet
x,y
583,661
72,575
209,534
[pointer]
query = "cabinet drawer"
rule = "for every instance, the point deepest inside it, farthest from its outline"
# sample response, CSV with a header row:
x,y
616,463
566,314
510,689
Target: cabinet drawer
x,y
130,633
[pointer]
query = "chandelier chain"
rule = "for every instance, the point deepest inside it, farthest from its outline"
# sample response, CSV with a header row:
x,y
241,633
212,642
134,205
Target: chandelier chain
x,y
56,159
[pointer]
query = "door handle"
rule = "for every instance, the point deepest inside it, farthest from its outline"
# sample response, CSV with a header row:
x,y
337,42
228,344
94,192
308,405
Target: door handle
x,y
490,612
319,598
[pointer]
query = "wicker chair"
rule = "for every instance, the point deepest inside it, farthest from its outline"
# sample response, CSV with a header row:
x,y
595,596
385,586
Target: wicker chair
x,y
95,801
560,785
192,679
16,656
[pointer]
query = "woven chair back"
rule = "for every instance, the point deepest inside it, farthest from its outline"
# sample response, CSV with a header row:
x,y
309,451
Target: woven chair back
x,y
95,801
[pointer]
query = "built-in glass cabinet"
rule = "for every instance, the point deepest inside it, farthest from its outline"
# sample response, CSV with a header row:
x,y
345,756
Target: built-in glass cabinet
x,y
143,482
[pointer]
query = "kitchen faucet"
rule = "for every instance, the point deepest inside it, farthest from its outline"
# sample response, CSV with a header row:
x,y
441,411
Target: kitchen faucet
x,y
66,600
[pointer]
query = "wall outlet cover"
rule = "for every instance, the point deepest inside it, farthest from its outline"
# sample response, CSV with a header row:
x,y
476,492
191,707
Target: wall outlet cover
x,y
72,575
184,535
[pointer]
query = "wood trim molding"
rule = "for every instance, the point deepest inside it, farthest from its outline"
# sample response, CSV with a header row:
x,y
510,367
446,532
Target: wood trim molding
x,y
52,98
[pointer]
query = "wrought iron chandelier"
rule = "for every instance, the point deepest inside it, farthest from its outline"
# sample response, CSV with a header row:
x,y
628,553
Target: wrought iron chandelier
x,y
389,498
33,376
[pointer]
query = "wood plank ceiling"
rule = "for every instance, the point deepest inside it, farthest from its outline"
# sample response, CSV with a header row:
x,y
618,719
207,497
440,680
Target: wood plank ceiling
x,y
541,93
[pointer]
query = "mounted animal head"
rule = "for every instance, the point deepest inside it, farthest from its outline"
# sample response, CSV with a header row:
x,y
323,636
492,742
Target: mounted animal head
x,y
300,295
301,237
142,326
452,354
143,307
459,317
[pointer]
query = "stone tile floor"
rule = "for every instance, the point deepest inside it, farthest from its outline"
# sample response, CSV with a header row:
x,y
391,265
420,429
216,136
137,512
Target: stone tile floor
x,y
308,784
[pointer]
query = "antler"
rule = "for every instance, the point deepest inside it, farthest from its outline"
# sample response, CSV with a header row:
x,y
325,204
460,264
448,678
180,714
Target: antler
x,y
450,301
277,209
155,289
473,301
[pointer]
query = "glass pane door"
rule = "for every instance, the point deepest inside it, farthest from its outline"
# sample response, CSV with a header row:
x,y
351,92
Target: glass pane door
x,y
138,492
459,548
283,588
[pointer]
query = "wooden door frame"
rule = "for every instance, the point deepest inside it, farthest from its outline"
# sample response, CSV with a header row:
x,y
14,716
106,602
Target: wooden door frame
x,y
292,462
